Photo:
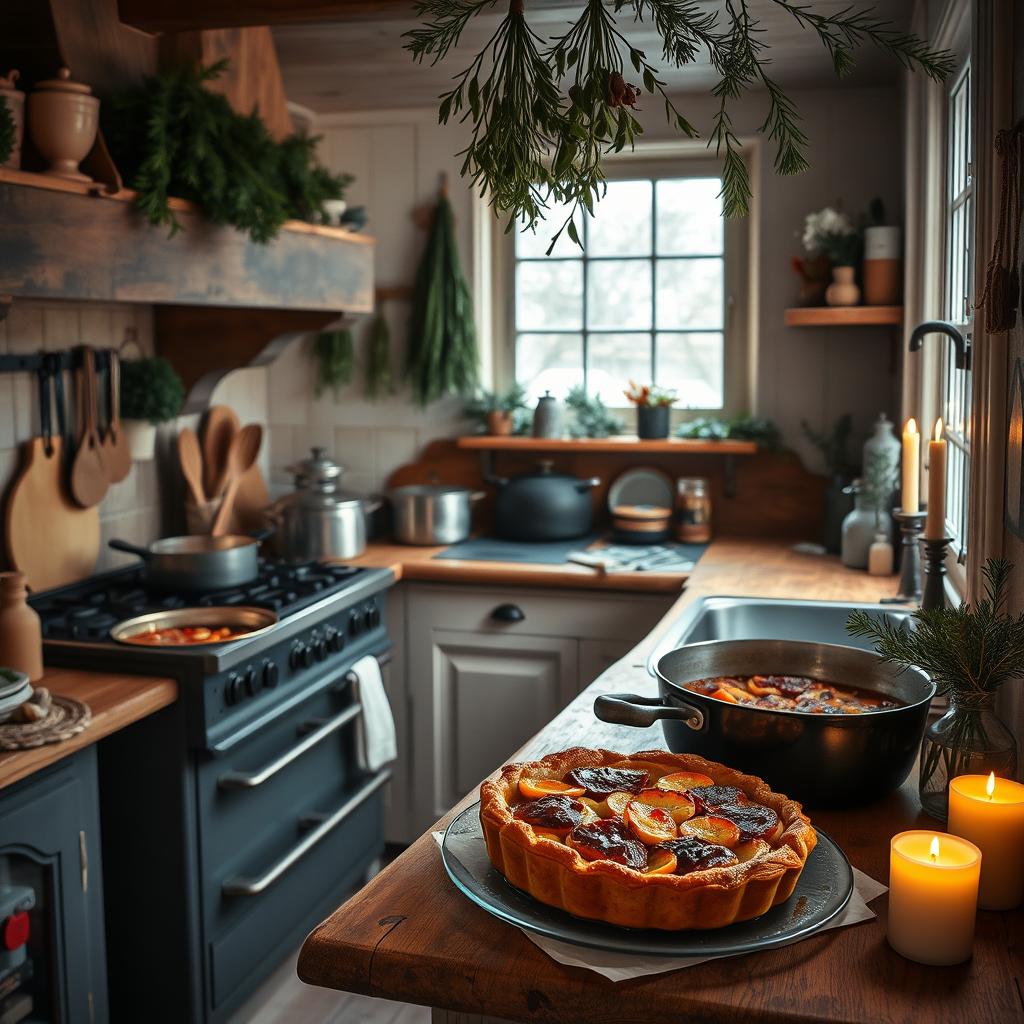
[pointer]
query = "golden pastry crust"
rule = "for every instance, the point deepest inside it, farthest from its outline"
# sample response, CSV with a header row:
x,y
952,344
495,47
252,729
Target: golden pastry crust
x,y
603,890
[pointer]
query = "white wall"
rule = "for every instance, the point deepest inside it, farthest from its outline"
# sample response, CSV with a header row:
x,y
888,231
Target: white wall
x,y
397,157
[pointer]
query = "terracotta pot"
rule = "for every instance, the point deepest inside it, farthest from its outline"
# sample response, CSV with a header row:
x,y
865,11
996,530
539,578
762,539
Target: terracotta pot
x,y
63,117
21,635
141,436
14,99
883,268
499,424
843,291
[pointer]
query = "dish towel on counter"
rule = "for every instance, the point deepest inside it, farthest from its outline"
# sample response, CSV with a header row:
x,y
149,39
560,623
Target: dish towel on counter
x,y
376,741
623,966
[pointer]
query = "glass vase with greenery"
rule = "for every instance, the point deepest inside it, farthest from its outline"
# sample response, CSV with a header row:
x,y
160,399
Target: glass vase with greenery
x,y
970,652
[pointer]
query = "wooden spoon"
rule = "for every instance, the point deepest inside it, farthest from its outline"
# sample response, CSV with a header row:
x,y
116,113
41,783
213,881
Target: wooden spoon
x,y
191,459
219,429
117,456
89,480
244,450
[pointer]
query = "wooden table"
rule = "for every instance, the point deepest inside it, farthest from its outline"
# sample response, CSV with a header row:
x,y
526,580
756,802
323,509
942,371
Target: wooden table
x,y
116,700
410,936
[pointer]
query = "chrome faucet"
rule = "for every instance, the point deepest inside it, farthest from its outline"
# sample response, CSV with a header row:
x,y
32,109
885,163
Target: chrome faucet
x,y
960,343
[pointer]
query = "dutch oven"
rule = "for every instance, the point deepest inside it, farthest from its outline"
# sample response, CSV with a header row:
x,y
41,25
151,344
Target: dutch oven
x,y
823,760
543,505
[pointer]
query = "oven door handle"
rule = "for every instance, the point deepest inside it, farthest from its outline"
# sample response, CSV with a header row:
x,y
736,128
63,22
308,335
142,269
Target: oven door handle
x,y
250,780
240,886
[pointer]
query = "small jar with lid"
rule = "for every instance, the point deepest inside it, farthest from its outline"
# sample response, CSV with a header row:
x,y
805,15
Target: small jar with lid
x,y
63,118
693,510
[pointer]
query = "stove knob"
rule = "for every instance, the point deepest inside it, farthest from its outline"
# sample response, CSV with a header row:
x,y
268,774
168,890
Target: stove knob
x,y
271,674
232,689
306,656
368,616
373,616
252,682
335,640
295,656
355,624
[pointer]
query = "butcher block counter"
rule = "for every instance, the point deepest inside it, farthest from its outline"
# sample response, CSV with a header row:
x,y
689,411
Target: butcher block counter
x,y
116,700
410,936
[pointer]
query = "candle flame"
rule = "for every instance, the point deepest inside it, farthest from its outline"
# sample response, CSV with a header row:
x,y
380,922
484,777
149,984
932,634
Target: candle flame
x,y
938,429
911,426
990,786
933,851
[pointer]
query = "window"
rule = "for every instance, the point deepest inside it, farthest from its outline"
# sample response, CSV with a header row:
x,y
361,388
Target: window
x,y
959,259
647,299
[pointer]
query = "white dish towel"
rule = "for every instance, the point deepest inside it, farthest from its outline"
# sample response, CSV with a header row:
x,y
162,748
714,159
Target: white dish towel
x,y
377,743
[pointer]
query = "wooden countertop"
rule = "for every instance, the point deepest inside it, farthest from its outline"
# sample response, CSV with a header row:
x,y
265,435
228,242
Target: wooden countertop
x,y
410,936
116,701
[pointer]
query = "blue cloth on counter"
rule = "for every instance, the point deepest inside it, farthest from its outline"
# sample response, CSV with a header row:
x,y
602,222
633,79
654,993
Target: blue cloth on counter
x,y
493,549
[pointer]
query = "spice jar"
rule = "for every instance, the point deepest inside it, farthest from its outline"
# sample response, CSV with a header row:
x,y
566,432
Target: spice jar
x,y
693,510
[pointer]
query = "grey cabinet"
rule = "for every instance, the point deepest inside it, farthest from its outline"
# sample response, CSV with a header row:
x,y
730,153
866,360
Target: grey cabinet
x,y
50,871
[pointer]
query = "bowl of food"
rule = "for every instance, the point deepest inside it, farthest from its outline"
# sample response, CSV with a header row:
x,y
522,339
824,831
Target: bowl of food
x,y
825,724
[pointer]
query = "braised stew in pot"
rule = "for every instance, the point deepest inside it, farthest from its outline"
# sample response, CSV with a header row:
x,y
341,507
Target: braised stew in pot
x,y
183,636
792,693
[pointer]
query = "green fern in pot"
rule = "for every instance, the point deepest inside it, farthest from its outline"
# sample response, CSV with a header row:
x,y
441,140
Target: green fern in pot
x,y
151,394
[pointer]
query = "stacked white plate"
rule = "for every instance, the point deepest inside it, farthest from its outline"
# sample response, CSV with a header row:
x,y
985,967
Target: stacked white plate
x,y
15,689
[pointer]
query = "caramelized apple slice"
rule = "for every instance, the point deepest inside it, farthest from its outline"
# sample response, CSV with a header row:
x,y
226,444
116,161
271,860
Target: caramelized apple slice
x,y
712,829
654,771
542,834
649,824
724,695
683,781
608,840
617,802
750,849
558,814
661,862
534,789
695,854
753,820
710,798
761,686
599,782
679,805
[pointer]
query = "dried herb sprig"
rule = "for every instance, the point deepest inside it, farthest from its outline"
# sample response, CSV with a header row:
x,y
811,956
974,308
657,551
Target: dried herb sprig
x,y
544,117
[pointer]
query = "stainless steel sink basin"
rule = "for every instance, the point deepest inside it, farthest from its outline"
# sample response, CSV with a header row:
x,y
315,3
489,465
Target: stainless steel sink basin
x,y
754,618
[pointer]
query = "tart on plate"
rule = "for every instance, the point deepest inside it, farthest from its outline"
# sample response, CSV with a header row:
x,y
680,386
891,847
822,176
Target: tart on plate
x,y
647,840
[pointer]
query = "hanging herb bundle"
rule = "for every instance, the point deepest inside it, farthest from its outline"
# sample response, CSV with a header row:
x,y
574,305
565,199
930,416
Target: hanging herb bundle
x,y
442,358
545,112
7,132
379,381
171,136
334,356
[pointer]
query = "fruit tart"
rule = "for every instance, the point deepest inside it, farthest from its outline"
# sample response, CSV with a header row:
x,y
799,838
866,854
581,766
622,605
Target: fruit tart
x,y
648,840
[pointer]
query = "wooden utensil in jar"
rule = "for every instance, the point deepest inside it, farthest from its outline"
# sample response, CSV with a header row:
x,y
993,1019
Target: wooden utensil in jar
x,y
220,427
89,480
244,450
191,459
117,456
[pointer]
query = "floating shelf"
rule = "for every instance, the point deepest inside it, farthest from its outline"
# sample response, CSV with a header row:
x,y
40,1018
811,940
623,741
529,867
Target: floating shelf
x,y
624,444
844,316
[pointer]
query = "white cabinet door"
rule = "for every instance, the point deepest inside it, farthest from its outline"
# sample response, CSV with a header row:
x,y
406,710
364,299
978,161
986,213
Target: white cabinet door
x,y
596,656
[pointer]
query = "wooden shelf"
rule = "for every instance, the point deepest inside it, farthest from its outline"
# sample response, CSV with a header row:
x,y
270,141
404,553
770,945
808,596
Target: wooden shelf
x,y
624,444
844,316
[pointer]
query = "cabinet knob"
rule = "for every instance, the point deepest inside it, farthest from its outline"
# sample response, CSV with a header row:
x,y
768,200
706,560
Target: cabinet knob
x,y
508,613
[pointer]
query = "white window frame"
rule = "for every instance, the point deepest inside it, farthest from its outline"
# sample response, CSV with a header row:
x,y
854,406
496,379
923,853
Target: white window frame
x,y
652,161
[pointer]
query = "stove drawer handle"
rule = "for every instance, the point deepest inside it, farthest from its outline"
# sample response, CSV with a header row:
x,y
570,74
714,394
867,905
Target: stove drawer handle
x,y
250,780
241,886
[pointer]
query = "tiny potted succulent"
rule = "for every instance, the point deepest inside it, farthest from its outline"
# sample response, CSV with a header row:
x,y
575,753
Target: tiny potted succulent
x,y
653,409
500,413
151,393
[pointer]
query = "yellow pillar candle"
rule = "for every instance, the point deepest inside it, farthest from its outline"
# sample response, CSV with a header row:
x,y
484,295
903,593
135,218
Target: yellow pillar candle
x,y
910,495
989,812
933,896
935,525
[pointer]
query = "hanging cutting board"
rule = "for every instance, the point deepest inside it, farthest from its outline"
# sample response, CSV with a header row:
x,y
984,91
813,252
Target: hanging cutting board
x,y
48,537
219,426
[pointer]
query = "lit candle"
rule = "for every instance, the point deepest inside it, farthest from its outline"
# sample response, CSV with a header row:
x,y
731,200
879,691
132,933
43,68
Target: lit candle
x,y
935,527
989,812
910,498
933,896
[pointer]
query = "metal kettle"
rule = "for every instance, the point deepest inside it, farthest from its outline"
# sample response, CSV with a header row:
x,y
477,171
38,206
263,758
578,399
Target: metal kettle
x,y
318,520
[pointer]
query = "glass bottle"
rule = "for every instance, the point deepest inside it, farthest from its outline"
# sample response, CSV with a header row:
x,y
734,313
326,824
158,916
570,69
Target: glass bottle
x,y
859,528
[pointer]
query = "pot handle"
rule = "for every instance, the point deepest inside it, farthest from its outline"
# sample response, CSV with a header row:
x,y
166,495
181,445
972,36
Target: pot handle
x,y
477,496
373,503
640,712
588,485
130,549
263,533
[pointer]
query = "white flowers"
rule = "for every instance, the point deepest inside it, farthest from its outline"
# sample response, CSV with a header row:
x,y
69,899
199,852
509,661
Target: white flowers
x,y
821,228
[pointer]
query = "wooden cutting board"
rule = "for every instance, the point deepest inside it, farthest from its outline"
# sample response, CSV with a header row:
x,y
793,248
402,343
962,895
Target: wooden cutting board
x,y
220,425
47,536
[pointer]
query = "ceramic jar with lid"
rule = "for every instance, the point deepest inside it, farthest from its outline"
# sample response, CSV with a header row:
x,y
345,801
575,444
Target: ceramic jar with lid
x,y
859,528
14,99
547,417
63,118
21,635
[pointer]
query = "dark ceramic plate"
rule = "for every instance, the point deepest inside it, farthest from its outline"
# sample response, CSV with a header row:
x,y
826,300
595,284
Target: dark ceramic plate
x,y
823,890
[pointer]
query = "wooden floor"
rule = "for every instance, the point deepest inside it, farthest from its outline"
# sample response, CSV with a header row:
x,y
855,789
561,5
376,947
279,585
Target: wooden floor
x,y
283,999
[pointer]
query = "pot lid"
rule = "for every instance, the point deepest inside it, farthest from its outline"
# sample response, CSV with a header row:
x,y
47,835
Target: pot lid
x,y
63,83
318,470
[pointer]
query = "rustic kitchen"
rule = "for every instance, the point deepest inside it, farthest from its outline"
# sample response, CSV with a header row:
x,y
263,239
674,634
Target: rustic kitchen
x,y
512,512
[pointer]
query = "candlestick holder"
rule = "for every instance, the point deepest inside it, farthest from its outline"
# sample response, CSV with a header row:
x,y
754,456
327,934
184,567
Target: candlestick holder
x,y
935,572
911,524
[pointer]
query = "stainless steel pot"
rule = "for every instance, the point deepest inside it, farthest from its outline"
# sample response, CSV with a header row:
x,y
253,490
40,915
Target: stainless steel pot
x,y
199,562
432,513
823,760
318,520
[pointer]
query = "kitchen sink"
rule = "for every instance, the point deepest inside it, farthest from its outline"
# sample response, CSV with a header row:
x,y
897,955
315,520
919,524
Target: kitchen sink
x,y
753,618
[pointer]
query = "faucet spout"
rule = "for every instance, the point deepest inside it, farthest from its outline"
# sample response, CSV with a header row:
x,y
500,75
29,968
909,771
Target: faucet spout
x,y
960,343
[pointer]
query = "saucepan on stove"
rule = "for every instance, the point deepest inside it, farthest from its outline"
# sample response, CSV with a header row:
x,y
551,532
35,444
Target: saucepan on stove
x,y
190,627
820,754
199,562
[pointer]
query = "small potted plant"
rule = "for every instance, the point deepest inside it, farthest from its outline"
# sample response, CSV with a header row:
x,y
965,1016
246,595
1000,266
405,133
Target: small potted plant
x,y
500,413
151,393
653,409
831,234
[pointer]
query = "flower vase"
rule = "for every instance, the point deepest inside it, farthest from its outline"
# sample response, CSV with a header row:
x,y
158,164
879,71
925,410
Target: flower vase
x,y
843,290
969,739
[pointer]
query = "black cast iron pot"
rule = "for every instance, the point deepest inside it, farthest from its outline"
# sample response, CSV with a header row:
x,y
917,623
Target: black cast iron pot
x,y
543,505
821,760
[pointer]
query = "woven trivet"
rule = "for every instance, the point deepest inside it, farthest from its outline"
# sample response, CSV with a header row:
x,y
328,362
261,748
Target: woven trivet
x,y
66,718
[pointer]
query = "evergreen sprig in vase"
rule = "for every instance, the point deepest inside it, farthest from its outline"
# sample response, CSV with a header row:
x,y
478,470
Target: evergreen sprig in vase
x,y
969,652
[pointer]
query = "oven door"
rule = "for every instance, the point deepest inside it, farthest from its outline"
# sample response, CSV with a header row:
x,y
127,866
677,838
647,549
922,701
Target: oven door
x,y
289,825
